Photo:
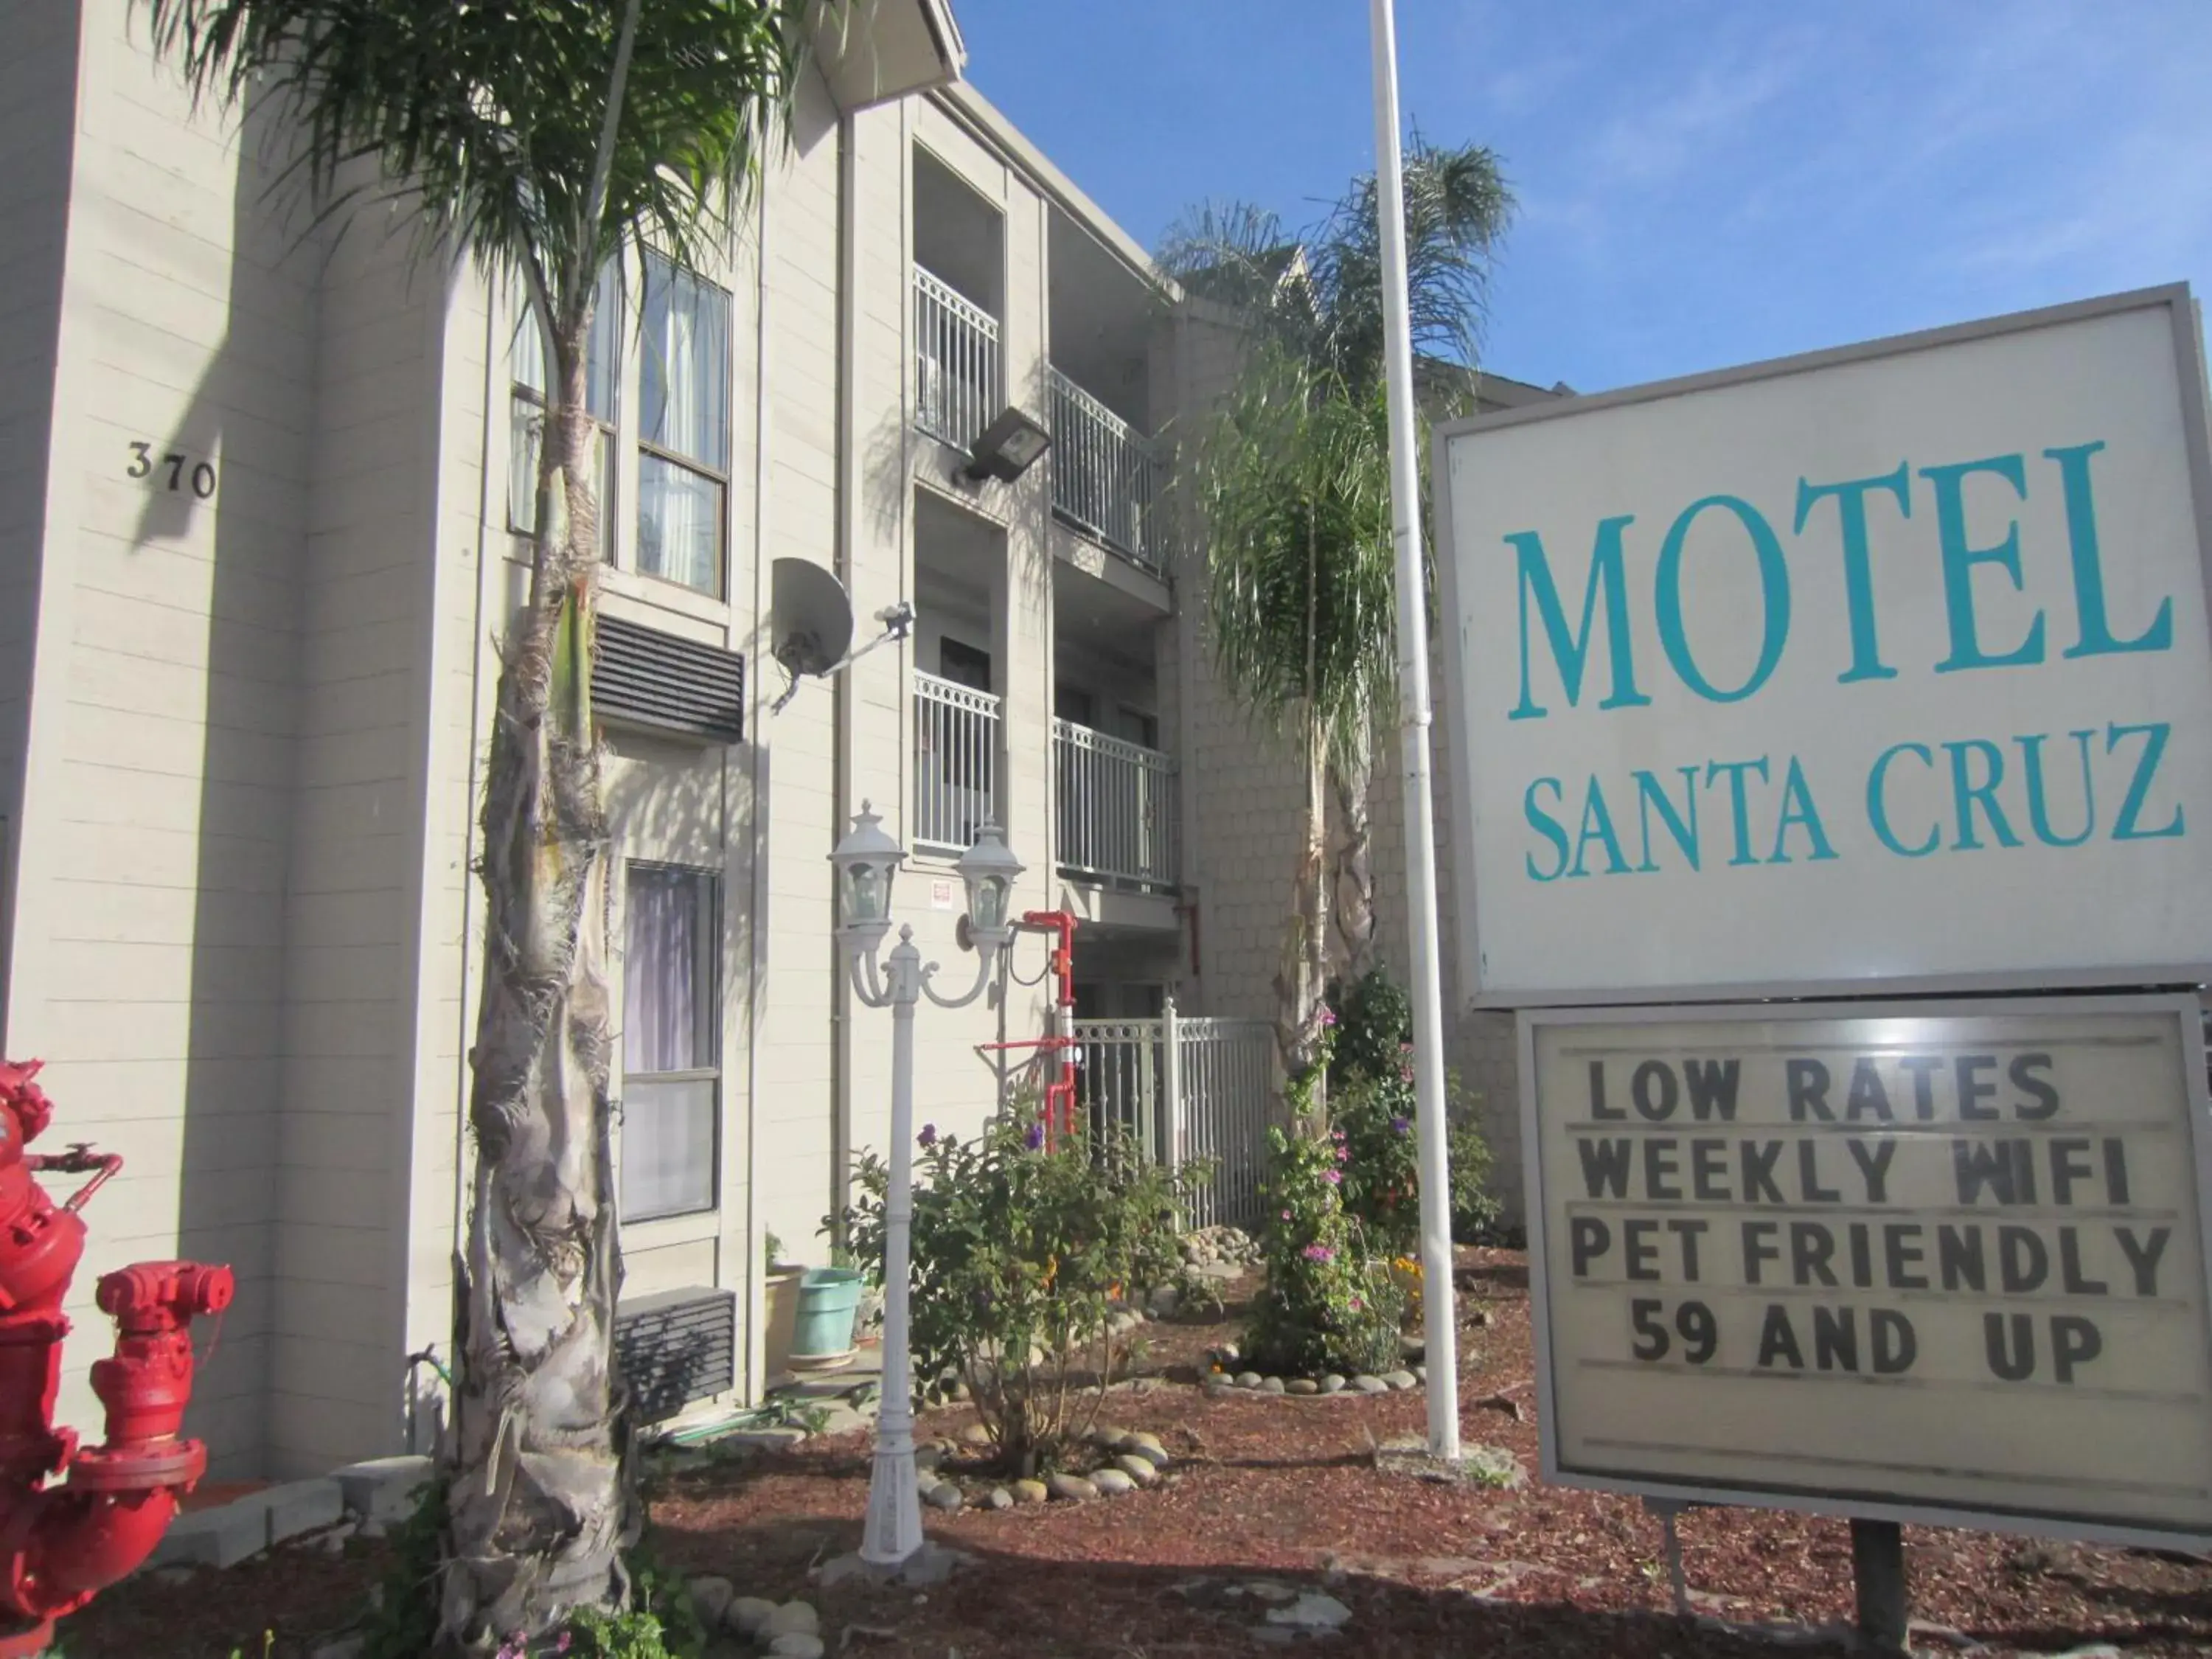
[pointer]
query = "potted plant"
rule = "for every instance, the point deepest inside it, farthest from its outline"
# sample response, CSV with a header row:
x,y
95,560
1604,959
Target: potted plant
x,y
783,1282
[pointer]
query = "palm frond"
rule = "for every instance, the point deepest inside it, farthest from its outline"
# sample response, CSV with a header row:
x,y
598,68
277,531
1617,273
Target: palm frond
x,y
491,117
1293,482
1458,206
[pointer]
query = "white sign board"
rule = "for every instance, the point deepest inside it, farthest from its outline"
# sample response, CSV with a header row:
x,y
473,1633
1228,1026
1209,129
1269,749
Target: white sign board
x,y
1888,664
1938,1262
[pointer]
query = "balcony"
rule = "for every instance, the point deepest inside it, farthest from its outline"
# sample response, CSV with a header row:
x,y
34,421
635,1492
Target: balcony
x,y
956,362
1107,477
956,736
1119,817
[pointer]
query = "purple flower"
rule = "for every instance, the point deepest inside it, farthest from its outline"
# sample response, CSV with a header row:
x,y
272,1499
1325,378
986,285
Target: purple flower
x,y
1327,1015
928,1136
562,1646
1035,1138
1318,1253
1286,1215
1334,1177
1344,1155
1399,1125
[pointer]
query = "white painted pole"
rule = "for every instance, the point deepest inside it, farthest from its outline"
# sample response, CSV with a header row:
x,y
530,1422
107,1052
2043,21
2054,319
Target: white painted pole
x,y
1414,720
893,1530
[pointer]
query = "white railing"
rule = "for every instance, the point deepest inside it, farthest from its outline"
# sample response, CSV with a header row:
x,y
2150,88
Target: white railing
x,y
1187,1089
956,362
956,740
1119,819
1106,476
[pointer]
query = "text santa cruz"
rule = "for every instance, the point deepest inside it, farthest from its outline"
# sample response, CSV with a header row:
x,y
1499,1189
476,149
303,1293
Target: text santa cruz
x,y
2097,780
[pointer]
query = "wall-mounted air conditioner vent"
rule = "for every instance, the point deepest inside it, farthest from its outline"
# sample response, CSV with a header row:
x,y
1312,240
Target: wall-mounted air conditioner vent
x,y
647,677
675,1346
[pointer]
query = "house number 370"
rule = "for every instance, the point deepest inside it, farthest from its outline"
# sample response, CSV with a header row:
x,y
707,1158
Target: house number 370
x,y
170,470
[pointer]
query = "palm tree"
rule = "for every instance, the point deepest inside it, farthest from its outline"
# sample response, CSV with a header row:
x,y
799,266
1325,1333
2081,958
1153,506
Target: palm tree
x,y
544,138
1292,480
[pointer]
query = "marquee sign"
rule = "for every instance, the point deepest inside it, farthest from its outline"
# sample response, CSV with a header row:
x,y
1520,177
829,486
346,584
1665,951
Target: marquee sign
x,y
1932,1262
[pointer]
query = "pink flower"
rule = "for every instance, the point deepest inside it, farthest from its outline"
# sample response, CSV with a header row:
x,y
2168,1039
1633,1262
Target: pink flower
x,y
1286,1215
1327,1015
1334,1177
562,1646
1318,1253
1356,1304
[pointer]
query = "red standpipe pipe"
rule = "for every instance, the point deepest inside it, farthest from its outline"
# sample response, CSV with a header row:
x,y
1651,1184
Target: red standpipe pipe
x,y
59,1545
1059,1116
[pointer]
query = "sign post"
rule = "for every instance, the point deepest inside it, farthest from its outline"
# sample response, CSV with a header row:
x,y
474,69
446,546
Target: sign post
x,y
1884,674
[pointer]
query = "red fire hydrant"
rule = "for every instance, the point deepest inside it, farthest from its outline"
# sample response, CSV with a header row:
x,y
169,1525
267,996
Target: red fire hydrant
x,y
64,1540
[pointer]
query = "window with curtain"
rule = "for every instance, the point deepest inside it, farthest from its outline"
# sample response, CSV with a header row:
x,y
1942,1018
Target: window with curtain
x,y
672,1077
684,427
602,397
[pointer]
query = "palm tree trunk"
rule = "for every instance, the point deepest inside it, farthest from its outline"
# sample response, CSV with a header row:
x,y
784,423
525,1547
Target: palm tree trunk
x,y
1351,779
540,1507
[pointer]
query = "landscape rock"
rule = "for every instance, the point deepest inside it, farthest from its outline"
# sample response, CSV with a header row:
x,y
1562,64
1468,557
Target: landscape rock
x,y
1271,1385
791,1618
1138,1470
1145,1445
1072,1488
1030,1491
945,1496
1302,1385
1312,1611
748,1615
1398,1379
1332,1383
1365,1384
798,1644
712,1596
1421,1375
345,1647
1247,1379
1165,1301
999,1499
976,1434
1112,1482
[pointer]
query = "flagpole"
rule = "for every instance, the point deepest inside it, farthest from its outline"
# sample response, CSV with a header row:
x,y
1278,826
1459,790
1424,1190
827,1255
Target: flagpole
x,y
1413,720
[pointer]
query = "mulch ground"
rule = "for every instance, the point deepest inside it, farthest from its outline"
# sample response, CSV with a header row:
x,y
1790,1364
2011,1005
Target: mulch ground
x,y
1282,1489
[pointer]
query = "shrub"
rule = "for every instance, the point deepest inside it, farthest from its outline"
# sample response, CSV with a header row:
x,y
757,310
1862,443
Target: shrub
x,y
1372,1098
1018,1252
1330,1302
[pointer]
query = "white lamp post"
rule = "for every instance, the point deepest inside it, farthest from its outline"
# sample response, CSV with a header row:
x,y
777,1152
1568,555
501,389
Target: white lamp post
x,y
866,861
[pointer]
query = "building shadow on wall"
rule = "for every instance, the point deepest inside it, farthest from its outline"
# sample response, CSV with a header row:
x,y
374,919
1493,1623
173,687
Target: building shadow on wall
x,y
227,482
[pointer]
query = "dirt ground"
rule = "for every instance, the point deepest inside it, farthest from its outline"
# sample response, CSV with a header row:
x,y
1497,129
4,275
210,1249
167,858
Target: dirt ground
x,y
1280,1490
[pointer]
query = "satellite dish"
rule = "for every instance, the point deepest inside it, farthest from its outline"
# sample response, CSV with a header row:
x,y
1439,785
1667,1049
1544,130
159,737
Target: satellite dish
x,y
811,620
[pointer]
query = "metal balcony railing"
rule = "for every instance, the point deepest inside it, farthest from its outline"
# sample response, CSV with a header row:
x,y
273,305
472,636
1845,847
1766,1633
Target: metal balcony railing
x,y
1119,817
956,738
956,362
1106,476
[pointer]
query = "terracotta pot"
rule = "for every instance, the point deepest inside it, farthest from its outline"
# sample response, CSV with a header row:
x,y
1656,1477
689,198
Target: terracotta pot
x,y
782,1315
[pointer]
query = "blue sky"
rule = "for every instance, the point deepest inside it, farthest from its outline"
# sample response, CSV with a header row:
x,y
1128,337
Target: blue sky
x,y
1701,182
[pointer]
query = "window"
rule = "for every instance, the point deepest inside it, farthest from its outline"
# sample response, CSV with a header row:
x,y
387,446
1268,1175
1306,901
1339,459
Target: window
x,y
670,1070
603,398
684,427
1072,705
964,665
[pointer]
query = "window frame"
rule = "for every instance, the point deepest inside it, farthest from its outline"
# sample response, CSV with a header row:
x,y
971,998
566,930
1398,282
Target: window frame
x,y
610,429
707,1014
667,456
